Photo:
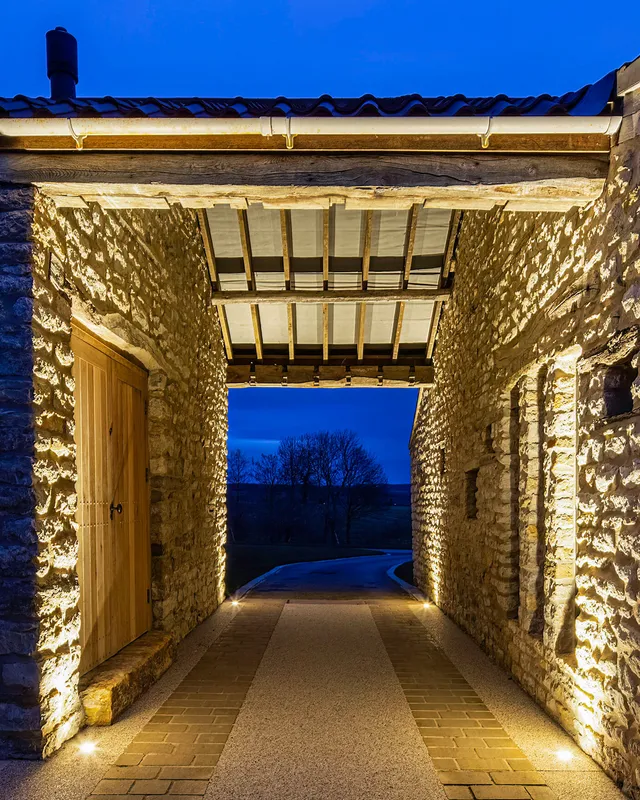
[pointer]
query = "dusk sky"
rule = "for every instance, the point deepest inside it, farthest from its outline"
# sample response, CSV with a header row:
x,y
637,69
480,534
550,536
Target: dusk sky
x,y
383,418
306,48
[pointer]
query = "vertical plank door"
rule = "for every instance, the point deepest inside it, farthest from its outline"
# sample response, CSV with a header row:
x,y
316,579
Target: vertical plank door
x,y
113,499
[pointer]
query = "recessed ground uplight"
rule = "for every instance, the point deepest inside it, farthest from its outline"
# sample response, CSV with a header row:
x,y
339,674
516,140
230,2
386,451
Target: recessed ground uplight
x,y
426,604
564,755
87,748
235,602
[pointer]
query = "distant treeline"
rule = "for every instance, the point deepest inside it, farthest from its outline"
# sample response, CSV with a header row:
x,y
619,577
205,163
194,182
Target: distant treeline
x,y
313,488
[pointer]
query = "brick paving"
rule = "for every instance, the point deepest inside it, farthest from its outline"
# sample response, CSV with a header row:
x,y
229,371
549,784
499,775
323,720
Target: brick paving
x,y
176,752
473,754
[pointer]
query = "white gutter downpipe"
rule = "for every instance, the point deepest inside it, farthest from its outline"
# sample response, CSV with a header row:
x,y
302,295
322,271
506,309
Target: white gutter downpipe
x,y
80,128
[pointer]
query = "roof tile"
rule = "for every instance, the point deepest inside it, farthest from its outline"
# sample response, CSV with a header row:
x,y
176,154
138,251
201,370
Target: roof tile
x,y
592,100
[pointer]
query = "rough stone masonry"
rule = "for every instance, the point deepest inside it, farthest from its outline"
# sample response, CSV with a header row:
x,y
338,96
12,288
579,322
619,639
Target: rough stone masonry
x,y
526,457
139,278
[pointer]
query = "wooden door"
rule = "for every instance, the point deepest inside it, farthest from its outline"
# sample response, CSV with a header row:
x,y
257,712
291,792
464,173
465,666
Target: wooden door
x,y
113,499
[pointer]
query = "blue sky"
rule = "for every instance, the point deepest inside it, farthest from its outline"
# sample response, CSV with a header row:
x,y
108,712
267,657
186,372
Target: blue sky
x,y
307,48
383,418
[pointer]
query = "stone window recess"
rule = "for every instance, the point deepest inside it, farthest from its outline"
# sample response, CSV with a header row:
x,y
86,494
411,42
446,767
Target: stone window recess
x,y
443,460
526,543
471,493
618,389
488,439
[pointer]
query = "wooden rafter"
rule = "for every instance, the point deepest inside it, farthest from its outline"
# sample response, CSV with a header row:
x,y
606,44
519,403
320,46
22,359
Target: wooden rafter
x,y
207,242
245,241
410,241
285,230
325,332
452,239
366,249
325,247
366,263
397,331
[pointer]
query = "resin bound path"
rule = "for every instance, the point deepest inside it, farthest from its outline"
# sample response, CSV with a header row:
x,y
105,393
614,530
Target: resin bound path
x,y
331,682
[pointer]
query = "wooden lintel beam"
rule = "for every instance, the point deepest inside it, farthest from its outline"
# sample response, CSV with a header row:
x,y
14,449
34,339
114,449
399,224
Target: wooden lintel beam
x,y
244,375
207,242
503,176
331,296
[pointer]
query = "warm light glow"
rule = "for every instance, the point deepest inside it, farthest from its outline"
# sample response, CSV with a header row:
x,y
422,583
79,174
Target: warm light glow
x,y
426,604
235,602
87,748
564,755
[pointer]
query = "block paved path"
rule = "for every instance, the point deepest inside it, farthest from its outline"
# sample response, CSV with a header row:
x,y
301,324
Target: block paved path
x,y
321,689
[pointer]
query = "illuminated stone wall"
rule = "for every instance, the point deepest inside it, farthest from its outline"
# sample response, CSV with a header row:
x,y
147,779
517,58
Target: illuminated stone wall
x,y
139,279
534,408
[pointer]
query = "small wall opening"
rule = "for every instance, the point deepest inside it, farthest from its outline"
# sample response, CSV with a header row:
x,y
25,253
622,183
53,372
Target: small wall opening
x,y
618,380
471,493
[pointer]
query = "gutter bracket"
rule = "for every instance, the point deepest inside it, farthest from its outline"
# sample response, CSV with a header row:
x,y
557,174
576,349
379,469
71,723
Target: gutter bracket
x,y
484,137
288,136
78,138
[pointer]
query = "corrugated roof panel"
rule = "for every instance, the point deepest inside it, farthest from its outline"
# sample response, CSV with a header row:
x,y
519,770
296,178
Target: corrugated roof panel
x,y
269,281
264,231
309,323
308,315
389,233
232,281
345,280
432,230
306,233
240,324
347,233
416,323
343,323
225,231
273,323
385,280
423,278
379,323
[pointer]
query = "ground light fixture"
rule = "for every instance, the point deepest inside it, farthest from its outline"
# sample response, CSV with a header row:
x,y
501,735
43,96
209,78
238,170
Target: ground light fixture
x,y
235,602
87,748
426,604
564,755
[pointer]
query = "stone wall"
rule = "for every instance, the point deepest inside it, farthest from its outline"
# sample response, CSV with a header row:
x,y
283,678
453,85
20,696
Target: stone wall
x,y
529,537
139,280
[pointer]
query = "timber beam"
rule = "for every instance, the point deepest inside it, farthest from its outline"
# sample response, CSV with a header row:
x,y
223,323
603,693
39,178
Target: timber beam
x,y
329,377
330,296
435,178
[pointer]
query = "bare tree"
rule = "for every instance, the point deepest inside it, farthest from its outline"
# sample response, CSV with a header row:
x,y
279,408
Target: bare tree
x,y
237,469
266,471
361,478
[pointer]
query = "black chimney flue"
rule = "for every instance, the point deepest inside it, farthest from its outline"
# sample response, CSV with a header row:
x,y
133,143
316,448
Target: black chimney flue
x,y
62,63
